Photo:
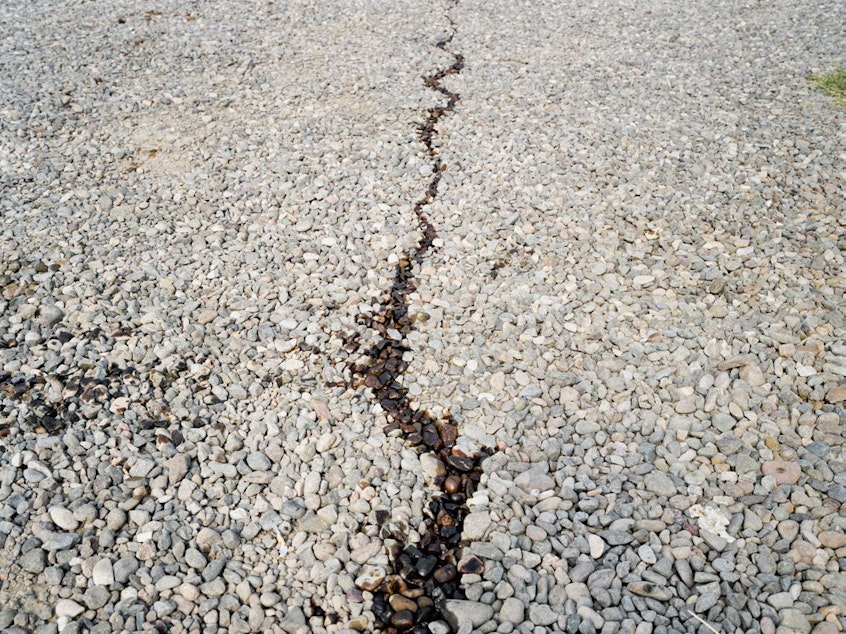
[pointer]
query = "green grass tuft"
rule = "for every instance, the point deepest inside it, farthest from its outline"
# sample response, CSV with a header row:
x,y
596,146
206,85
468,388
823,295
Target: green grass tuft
x,y
833,84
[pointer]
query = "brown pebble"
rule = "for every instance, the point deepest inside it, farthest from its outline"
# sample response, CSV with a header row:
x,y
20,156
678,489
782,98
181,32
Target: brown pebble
x,y
414,593
452,484
445,573
449,433
395,584
399,603
402,620
445,519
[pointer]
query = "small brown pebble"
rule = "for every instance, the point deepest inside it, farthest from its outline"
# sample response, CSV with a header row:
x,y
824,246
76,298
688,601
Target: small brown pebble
x,y
402,620
449,433
399,603
452,484
394,584
445,573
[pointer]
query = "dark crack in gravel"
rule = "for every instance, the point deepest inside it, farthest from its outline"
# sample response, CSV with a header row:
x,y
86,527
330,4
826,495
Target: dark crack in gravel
x,y
425,575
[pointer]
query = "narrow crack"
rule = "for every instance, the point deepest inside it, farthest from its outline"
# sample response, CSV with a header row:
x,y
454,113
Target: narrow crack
x,y
427,574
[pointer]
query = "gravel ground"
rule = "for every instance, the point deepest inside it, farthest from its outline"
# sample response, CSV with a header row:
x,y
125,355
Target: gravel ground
x,y
636,298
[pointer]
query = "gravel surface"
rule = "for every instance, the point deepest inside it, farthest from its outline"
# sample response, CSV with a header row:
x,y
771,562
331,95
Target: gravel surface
x,y
635,300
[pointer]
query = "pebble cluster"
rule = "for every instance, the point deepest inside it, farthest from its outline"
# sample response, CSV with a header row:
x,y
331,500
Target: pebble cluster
x,y
634,298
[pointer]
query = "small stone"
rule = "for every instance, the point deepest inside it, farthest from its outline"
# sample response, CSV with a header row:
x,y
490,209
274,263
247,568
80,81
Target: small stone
x,y
651,590
788,529
96,597
68,608
164,608
59,541
367,552
512,611
576,591
470,565
189,592
836,394
213,588
257,461
124,567
643,280
783,472
752,375
371,578
795,621
51,314
115,519
431,467
399,603
326,442
167,582
542,614
686,406
195,559
403,619
709,594
616,538
476,524
142,468
177,468
103,573
660,484
780,600
534,479
536,533
459,613
312,523
294,621
646,554
208,537
452,484
206,316
34,561
596,545
439,627
745,464
293,509
446,573
85,513
63,518
832,539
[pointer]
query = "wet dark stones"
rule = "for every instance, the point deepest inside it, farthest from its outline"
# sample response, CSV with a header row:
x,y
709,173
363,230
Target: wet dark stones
x,y
426,574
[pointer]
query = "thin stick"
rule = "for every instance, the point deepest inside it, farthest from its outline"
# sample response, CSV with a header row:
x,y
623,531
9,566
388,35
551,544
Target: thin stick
x,y
701,620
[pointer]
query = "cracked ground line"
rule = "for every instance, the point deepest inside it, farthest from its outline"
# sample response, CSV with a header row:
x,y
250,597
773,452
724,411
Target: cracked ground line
x,y
426,575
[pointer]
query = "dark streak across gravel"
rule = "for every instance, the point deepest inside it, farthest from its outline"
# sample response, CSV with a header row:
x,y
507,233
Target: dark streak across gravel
x,y
427,573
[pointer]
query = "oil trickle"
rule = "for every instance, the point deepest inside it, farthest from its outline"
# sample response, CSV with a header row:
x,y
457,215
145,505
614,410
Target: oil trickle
x,y
427,574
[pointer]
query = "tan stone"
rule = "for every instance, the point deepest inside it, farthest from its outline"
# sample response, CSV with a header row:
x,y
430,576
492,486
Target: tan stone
x,y
832,539
836,394
783,472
